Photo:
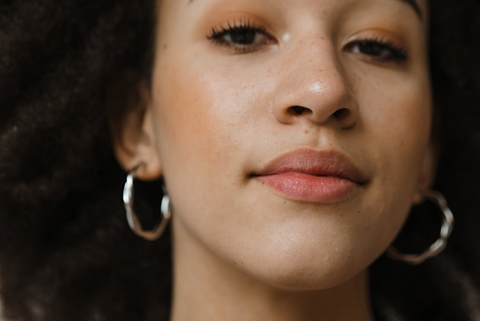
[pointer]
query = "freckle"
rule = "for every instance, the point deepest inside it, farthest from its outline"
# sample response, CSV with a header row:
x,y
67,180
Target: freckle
x,y
165,46
306,131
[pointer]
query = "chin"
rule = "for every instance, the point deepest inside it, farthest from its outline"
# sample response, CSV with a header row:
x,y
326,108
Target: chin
x,y
303,271
306,278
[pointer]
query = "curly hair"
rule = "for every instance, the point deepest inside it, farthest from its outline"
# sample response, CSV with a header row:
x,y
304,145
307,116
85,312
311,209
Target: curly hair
x,y
66,252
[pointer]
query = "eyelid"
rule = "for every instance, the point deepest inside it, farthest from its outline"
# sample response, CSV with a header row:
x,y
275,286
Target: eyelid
x,y
376,34
238,23
238,18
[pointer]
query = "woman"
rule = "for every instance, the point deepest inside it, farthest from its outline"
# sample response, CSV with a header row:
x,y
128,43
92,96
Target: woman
x,y
286,141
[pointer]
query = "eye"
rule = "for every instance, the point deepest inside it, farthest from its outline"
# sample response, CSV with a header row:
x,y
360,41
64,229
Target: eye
x,y
379,49
241,36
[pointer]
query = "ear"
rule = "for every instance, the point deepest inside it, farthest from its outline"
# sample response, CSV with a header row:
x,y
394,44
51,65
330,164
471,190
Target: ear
x,y
129,113
427,171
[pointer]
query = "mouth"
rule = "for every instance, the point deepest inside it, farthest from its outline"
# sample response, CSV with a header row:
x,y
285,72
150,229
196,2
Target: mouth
x,y
313,176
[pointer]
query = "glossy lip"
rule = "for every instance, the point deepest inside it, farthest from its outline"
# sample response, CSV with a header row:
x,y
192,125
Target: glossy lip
x,y
307,174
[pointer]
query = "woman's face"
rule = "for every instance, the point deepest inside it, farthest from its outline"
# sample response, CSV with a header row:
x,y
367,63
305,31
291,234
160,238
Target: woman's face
x,y
292,134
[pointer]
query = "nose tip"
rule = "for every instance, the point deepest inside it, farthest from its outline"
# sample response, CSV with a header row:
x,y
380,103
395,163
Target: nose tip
x,y
316,92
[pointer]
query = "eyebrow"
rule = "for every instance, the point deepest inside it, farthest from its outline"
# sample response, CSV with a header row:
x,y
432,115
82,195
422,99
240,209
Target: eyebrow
x,y
413,4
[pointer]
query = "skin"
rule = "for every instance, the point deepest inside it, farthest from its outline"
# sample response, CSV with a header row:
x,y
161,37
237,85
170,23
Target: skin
x,y
214,115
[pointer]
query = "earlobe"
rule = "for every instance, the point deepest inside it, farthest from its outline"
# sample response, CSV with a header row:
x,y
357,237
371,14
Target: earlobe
x,y
132,130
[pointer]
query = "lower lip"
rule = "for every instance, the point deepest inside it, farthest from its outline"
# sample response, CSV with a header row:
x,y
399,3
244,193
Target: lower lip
x,y
310,188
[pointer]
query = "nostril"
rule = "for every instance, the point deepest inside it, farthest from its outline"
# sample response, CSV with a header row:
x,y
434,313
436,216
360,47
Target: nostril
x,y
341,114
298,110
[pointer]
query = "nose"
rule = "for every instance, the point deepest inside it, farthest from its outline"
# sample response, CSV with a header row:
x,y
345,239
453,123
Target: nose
x,y
313,88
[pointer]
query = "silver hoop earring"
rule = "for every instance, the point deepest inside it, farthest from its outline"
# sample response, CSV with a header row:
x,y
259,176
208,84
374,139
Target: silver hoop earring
x,y
440,243
132,218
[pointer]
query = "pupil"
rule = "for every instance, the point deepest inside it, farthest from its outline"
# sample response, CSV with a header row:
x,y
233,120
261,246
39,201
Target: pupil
x,y
372,49
244,37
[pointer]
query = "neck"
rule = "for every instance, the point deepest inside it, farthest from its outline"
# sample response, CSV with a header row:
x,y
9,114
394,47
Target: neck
x,y
207,288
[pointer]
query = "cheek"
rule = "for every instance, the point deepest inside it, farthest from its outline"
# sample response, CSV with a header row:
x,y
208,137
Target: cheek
x,y
205,117
204,122
397,119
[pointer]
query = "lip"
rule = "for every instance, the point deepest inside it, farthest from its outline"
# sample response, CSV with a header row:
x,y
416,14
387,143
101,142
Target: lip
x,y
311,175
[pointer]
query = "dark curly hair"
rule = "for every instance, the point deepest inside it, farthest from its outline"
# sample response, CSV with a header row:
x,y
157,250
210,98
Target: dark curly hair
x,y
66,252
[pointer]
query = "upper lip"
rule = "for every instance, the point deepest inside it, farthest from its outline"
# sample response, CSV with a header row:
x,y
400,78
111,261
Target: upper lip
x,y
315,162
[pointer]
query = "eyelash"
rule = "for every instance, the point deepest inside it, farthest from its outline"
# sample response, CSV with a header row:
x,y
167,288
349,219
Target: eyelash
x,y
217,35
397,53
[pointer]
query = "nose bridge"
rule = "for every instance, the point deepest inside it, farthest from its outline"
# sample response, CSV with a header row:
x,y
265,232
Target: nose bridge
x,y
313,78
315,64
